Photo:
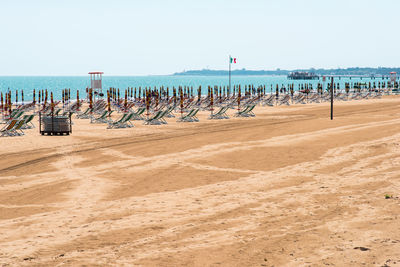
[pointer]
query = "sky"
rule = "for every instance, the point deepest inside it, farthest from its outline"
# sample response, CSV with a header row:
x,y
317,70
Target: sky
x,y
160,37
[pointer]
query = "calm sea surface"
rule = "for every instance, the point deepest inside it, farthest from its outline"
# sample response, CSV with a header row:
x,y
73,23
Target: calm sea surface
x,y
57,83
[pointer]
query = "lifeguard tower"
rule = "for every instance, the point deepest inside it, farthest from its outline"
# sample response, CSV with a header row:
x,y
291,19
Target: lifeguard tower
x,y
96,83
393,76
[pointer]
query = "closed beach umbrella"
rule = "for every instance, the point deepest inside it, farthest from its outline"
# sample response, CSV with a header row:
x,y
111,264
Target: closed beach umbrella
x,y
52,102
9,103
2,107
77,99
22,96
156,99
90,98
109,102
45,99
126,99
147,103
211,101
181,96
34,97
6,103
199,94
16,97
239,96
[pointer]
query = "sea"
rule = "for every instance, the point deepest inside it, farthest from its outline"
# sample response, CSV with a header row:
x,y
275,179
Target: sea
x,y
56,84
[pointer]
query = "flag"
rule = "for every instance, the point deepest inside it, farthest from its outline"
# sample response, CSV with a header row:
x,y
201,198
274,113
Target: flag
x,y
232,60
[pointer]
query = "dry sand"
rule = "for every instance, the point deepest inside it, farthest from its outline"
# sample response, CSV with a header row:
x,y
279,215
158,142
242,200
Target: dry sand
x,y
287,188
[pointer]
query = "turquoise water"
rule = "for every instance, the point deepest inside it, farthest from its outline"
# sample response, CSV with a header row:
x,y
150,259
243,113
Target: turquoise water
x,y
56,84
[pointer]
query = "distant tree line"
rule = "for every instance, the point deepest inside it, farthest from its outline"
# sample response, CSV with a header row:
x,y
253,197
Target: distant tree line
x,y
348,71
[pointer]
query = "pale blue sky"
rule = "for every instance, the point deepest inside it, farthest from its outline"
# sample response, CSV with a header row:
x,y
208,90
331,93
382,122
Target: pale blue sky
x,y
122,37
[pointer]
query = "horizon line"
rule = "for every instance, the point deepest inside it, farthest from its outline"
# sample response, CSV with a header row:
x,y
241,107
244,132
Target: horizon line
x,y
204,69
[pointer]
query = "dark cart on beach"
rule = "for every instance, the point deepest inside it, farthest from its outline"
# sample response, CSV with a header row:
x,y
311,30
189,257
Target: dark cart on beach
x,y
55,125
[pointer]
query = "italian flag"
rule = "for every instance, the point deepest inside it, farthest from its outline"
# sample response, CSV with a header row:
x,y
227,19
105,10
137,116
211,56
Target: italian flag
x,y
232,60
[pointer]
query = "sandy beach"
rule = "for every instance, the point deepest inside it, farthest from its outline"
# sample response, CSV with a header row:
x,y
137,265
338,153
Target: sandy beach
x,y
289,187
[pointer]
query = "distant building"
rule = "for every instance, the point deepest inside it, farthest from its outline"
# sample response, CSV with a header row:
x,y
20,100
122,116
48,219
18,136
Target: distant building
x,y
302,76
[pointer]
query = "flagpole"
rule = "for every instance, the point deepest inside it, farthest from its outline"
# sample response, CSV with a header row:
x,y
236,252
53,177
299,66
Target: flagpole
x,y
229,73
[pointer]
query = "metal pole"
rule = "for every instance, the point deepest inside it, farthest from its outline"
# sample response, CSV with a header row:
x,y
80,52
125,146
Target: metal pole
x,y
332,98
229,73
70,122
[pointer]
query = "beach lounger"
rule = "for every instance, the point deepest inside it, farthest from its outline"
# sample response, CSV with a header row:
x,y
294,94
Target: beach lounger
x,y
300,100
221,114
270,101
18,128
284,100
138,114
190,116
84,115
6,130
11,116
28,122
246,112
128,122
355,96
66,113
103,118
157,119
57,112
377,95
314,98
341,97
163,116
112,123
366,95
14,128
123,122
169,113
15,115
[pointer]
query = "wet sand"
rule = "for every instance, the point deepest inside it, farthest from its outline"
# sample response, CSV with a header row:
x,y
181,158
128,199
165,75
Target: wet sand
x,y
287,188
